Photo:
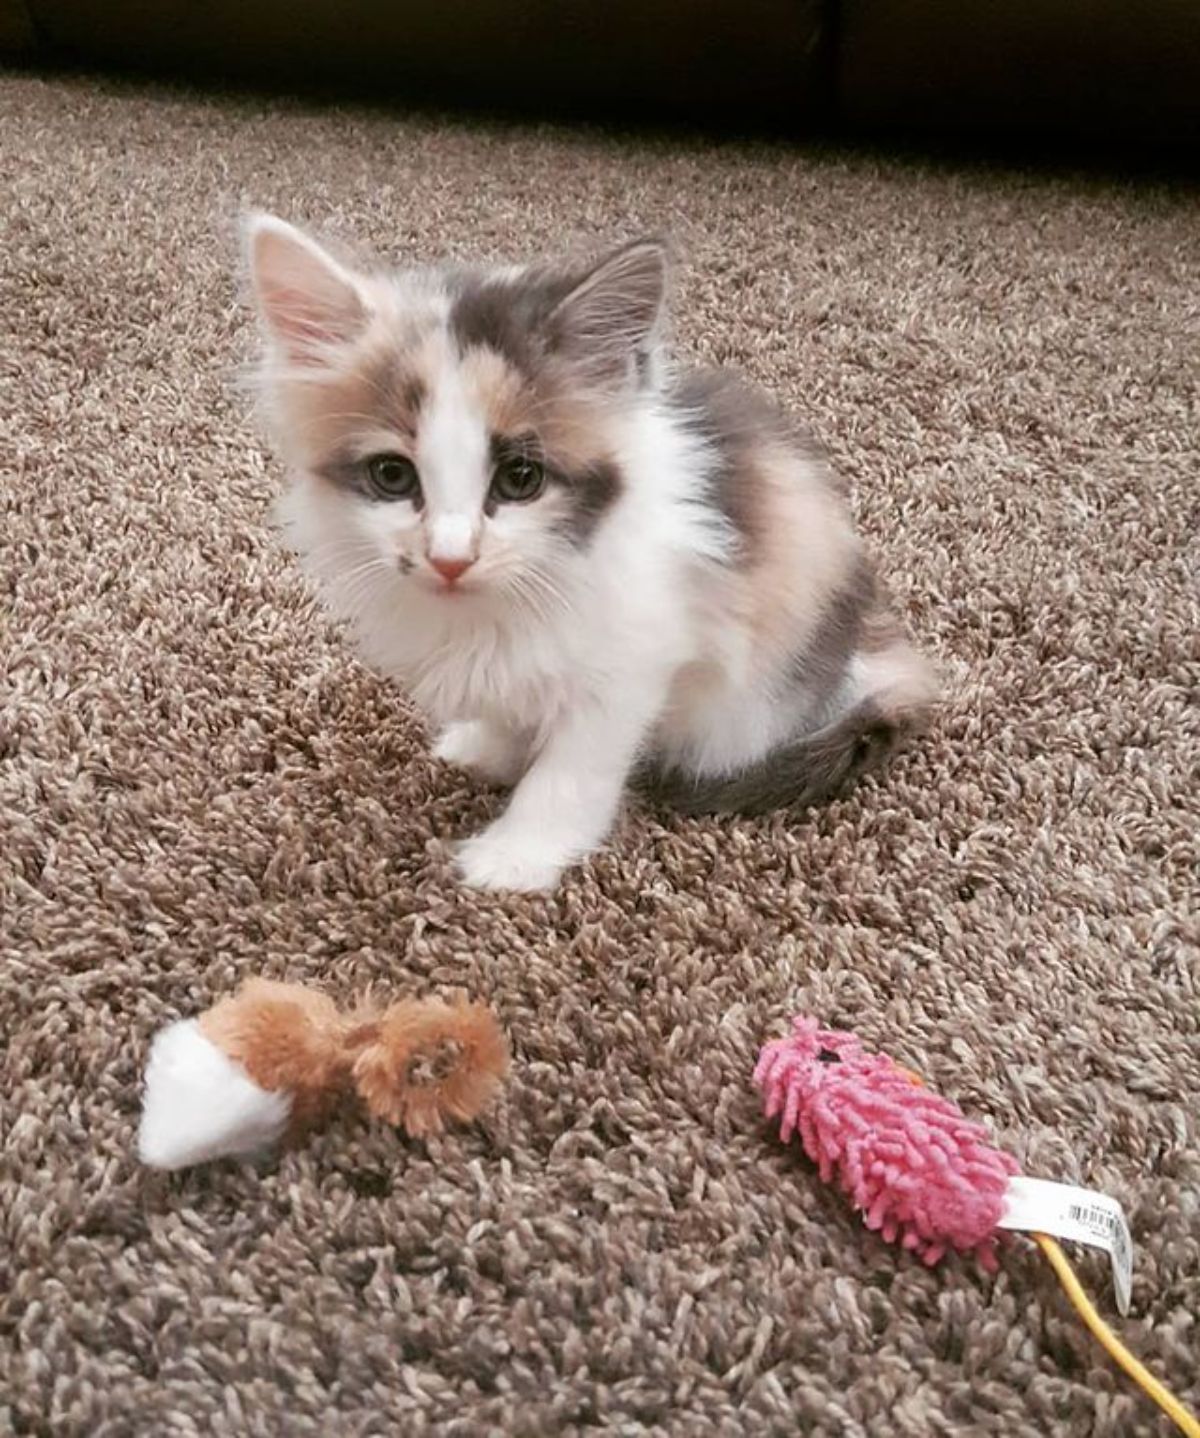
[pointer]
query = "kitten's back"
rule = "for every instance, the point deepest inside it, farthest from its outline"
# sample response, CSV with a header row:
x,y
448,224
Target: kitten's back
x,y
822,683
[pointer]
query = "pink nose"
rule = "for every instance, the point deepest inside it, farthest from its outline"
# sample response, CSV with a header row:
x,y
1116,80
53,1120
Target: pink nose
x,y
451,569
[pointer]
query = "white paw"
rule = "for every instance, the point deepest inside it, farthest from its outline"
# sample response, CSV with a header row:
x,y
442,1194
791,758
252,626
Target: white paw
x,y
482,750
494,860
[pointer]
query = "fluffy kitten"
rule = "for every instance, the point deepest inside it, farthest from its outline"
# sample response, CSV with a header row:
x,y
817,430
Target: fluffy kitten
x,y
581,564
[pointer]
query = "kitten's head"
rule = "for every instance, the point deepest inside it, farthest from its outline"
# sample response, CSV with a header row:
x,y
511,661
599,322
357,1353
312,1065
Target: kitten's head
x,y
451,431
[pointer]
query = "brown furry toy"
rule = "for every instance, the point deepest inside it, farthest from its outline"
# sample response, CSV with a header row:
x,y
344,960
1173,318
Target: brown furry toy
x,y
265,1064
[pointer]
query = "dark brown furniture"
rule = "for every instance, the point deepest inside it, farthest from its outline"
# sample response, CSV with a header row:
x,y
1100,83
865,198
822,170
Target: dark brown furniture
x,y
1109,70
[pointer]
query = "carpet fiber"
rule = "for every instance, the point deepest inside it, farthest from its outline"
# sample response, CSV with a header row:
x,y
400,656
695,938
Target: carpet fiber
x,y
199,783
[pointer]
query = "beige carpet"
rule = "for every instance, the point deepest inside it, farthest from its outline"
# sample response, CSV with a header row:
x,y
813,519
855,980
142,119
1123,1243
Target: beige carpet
x,y
198,783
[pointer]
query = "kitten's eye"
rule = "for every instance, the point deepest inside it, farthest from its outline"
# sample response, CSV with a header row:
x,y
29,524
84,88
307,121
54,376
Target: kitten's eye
x,y
393,476
518,480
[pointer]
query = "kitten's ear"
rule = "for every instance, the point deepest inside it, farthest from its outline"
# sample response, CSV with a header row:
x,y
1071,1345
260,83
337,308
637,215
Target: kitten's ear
x,y
307,300
611,314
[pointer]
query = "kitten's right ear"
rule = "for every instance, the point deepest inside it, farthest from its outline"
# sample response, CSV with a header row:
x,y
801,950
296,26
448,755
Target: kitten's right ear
x,y
306,299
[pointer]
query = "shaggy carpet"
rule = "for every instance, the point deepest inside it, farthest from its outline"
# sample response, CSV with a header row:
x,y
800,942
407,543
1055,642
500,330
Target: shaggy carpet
x,y
199,782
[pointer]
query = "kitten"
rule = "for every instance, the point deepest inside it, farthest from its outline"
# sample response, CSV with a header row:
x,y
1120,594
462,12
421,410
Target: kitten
x,y
582,565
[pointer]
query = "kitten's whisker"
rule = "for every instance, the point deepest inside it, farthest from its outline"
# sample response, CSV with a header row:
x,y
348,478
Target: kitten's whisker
x,y
365,570
341,552
343,543
548,587
535,591
358,573
337,571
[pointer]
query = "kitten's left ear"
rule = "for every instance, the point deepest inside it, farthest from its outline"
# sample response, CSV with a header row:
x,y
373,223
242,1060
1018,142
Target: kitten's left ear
x,y
610,317
307,300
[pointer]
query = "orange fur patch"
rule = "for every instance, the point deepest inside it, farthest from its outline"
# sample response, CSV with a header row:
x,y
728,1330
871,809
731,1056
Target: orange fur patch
x,y
804,552
573,425
380,385
431,1061
286,1038
497,390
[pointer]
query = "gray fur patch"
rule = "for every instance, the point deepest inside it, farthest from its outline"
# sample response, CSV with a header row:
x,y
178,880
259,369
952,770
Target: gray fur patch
x,y
592,493
734,421
807,771
508,315
598,316
820,666
346,473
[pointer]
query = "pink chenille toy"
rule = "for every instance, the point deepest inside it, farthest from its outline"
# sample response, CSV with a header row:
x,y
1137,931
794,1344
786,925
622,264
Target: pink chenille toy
x,y
918,1170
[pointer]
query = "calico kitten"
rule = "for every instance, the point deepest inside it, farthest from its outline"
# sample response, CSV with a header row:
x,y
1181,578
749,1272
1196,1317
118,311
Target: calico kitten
x,y
582,564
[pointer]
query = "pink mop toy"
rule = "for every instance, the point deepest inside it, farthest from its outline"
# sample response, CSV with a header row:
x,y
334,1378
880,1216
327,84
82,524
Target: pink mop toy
x,y
923,1174
919,1171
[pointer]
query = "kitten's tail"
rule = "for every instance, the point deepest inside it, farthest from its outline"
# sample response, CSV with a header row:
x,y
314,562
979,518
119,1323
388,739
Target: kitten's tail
x,y
895,691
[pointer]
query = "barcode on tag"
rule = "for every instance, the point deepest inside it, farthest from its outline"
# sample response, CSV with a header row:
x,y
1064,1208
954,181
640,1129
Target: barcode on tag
x,y
1077,1214
1107,1221
1098,1216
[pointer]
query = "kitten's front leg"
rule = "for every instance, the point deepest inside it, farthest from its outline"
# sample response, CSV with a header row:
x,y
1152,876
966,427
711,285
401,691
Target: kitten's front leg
x,y
484,748
565,804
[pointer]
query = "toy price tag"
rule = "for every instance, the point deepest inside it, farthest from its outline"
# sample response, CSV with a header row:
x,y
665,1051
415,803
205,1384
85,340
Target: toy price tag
x,y
1081,1215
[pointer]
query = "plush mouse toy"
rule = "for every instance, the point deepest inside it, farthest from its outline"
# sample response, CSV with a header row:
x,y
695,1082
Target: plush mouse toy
x,y
265,1064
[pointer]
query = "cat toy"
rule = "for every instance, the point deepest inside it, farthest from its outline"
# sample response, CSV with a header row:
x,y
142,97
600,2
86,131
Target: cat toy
x,y
924,1175
267,1063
